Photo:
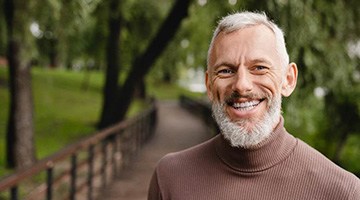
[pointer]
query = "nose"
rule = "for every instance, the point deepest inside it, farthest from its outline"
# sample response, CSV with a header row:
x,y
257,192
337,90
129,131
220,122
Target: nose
x,y
242,82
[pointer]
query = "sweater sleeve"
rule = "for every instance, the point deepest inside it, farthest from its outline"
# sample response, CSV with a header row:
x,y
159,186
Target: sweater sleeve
x,y
154,189
356,192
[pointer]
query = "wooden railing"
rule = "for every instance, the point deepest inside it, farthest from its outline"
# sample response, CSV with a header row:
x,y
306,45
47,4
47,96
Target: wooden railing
x,y
201,109
80,170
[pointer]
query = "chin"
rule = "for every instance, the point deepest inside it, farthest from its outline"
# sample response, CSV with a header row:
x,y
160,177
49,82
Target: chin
x,y
246,124
247,132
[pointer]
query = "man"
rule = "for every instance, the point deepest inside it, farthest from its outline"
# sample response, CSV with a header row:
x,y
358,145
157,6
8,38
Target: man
x,y
254,157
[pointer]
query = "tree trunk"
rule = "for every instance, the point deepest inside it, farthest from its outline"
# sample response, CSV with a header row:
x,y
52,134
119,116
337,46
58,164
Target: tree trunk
x,y
53,53
117,100
349,118
142,65
343,118
20,144
113,65
140,90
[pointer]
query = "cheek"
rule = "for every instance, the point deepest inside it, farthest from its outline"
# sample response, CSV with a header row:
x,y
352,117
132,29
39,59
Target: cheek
x,y
216,94
271,85
219,91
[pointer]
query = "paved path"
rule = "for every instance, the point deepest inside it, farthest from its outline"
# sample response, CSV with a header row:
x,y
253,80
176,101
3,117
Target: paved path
x,y
177,129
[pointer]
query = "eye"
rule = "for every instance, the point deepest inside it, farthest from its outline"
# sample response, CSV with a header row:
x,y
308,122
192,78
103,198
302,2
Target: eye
x,y
224,73
260,67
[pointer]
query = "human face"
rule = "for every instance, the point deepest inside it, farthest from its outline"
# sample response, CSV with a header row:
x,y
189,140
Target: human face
x,y
238,134
245,74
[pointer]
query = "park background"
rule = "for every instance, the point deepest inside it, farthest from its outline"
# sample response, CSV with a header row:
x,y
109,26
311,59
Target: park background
x,y
68,68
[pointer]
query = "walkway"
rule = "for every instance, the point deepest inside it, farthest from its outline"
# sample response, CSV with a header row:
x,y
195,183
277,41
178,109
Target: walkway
x,y
177,129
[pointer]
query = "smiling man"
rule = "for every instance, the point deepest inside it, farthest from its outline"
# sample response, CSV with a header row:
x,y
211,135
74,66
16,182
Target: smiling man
x,y
245,81
254,157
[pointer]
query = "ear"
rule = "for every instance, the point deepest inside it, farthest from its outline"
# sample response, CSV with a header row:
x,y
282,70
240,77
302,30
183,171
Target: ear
x,y
290,80
208,85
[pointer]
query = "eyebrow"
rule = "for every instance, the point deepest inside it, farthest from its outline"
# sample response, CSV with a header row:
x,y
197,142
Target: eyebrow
x,y
223,64
261,60
252,61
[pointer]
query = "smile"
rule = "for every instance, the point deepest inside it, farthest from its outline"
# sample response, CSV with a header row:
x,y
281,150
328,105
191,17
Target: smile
x,y
244,106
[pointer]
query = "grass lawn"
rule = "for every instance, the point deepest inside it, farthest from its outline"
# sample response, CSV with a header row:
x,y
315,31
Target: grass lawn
x,y
64,110
66,107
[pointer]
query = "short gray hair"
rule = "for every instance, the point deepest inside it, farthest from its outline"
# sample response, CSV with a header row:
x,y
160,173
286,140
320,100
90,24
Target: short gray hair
x,y
245,19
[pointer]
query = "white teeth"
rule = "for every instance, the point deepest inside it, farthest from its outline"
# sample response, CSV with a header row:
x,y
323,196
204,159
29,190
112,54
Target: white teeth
x,y
246,105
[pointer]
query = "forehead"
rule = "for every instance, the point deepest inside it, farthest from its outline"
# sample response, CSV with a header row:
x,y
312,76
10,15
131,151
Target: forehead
x,y
254,42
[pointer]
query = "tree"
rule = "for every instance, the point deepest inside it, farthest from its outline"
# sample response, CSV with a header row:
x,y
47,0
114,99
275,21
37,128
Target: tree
x,y
20,145
65,31
110,90
2,33
123,95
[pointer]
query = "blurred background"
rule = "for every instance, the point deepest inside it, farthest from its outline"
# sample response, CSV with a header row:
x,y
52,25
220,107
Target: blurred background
x,y
67,66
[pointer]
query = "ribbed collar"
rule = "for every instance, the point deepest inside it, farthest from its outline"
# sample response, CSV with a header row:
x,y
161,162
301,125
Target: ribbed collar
x,y
268,153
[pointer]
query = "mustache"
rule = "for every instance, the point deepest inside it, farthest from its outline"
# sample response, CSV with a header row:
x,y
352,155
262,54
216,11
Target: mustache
x,y
236,95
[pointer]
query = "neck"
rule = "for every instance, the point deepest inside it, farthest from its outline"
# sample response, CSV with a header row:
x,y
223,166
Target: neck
x,y
258,157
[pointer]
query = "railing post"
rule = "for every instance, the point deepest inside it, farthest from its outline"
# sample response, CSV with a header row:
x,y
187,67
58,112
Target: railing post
x,y
114,156
49,181
137,136
103,166
138,133
14,193
143,130
148,124
73,177
132,143
91,169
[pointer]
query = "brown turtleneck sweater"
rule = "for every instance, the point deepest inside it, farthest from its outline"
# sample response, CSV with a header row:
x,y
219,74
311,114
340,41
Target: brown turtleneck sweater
x,y
280,168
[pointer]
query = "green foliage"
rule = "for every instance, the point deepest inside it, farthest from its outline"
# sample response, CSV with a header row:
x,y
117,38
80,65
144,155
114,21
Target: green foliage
x,y
141,20
64,112
351,154
66,30
3,115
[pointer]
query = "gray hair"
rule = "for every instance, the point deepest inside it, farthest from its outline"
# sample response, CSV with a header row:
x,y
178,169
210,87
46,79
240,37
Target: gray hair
x,y
241,20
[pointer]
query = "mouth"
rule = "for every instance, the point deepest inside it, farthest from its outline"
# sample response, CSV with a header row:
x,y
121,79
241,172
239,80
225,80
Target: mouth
x,y
244,105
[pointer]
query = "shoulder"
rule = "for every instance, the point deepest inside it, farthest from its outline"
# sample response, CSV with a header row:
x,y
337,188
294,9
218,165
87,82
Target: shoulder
x,y
318,168
355,195
174,169
316,160
182,160
191,154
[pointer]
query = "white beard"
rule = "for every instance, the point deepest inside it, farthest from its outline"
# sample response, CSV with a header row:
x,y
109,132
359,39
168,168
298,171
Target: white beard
x,y
238,134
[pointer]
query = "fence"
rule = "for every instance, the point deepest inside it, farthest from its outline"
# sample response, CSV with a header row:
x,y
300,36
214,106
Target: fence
x,y
80,170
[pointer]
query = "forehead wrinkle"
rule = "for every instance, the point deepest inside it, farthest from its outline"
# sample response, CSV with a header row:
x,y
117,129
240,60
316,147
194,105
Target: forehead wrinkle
x,y
248,62
245,55
260,60
224,63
